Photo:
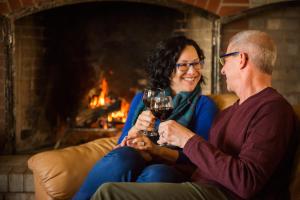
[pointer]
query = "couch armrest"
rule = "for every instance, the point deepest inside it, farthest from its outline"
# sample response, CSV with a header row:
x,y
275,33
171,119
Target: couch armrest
x,y
61,172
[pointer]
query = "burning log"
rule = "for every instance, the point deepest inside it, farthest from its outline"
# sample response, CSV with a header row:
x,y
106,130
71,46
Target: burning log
x,y
88,116
103,116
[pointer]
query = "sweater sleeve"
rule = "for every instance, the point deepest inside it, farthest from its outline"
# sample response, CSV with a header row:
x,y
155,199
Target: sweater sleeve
x,y
128,124
202,120
246,173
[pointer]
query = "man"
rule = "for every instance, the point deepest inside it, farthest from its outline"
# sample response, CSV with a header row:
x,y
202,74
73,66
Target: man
x,y
250,148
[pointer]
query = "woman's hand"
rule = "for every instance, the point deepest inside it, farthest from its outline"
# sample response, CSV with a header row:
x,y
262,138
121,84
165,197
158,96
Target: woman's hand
x,y
141,142
171,132
122,144
145,121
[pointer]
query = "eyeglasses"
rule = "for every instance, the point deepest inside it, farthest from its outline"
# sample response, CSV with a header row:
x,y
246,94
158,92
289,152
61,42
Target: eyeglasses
x,y
222,57
184,67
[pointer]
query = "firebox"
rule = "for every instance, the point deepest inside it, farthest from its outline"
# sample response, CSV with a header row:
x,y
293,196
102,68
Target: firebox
x,y
77,66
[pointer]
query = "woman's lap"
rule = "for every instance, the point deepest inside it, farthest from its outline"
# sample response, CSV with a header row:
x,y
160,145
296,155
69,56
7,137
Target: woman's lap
x,y
125,164
161,173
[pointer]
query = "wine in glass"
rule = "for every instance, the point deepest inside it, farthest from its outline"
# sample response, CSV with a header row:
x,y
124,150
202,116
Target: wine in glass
x,y
161,107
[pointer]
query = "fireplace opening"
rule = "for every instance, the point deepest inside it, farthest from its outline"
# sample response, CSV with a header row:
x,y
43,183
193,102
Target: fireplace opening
x,y
63,55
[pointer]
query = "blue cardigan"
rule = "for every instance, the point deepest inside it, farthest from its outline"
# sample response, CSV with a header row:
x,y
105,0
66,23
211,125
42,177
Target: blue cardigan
x,y
202,119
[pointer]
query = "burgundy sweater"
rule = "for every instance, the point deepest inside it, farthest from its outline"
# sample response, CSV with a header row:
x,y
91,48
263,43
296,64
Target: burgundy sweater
x,y
250,149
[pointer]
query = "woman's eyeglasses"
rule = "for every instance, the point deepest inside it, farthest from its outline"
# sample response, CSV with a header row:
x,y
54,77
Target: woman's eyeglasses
x,y
184,67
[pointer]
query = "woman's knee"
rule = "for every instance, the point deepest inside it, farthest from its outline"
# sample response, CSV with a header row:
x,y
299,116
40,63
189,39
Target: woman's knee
x,y
125,156
161,173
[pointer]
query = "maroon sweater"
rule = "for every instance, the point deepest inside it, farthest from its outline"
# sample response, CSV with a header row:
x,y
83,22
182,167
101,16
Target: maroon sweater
x,y
250,150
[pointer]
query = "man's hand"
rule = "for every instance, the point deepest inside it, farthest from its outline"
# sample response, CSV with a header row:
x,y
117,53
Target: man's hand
x,y
170,132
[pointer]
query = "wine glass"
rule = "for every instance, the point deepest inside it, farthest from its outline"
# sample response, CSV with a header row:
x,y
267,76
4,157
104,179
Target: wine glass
x,y
148,94
161,107
147,97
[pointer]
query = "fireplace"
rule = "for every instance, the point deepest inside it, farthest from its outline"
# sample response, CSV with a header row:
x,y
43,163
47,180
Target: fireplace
x,y
61,55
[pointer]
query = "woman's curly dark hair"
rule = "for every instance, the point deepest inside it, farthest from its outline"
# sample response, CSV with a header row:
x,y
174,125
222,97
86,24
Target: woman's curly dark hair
x,y
161,63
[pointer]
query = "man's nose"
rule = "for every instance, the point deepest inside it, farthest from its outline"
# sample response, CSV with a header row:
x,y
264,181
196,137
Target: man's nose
x,y
223,71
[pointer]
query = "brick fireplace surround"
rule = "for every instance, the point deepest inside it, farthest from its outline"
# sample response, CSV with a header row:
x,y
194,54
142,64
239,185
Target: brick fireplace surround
x,y
210,22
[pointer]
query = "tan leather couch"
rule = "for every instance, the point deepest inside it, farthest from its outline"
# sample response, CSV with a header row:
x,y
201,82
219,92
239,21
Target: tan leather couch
x,y
59,173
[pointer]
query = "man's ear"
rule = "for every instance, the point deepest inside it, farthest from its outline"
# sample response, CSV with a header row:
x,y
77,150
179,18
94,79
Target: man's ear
x,y
243,60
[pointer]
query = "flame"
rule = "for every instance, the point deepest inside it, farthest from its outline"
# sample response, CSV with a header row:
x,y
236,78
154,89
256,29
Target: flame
x,y
104,92
100,100
121,114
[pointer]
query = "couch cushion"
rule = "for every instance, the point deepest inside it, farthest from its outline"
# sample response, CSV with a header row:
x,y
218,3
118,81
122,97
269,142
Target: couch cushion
x,y
61,172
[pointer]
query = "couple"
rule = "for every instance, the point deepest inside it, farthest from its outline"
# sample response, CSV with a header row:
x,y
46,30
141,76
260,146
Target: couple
x,y
250,147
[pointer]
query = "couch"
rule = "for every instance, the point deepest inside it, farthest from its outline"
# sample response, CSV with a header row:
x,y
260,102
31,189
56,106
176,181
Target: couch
x,y
59,173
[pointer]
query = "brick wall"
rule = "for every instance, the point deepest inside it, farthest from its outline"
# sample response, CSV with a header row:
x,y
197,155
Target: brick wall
x,y
5,137
2,91
29,93
16,180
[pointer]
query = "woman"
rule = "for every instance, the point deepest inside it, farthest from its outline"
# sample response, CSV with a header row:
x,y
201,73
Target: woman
x,y
175,66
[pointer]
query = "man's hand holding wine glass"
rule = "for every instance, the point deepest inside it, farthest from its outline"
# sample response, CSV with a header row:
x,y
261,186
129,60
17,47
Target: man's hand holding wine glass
x,y
173,133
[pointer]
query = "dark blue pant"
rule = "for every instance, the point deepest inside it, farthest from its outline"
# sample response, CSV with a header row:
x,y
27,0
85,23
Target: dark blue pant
x,y
125,164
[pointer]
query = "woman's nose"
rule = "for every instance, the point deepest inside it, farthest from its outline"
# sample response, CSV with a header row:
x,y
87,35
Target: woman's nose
x,y
192,70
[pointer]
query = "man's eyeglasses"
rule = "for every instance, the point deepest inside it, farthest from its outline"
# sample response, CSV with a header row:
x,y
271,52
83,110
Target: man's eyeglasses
x,y
222,57
184,67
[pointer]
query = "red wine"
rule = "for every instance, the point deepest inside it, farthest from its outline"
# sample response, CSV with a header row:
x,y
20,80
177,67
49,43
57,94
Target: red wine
x,y
162,113
147,102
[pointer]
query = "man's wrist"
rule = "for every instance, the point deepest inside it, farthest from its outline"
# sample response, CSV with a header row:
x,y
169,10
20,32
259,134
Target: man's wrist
x,y
188,136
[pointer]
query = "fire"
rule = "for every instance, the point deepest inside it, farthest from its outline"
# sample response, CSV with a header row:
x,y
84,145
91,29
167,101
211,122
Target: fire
x,y
100,100
121,114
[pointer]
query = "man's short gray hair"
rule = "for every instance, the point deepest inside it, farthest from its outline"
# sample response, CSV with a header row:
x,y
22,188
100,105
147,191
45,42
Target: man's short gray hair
x,y
259,46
